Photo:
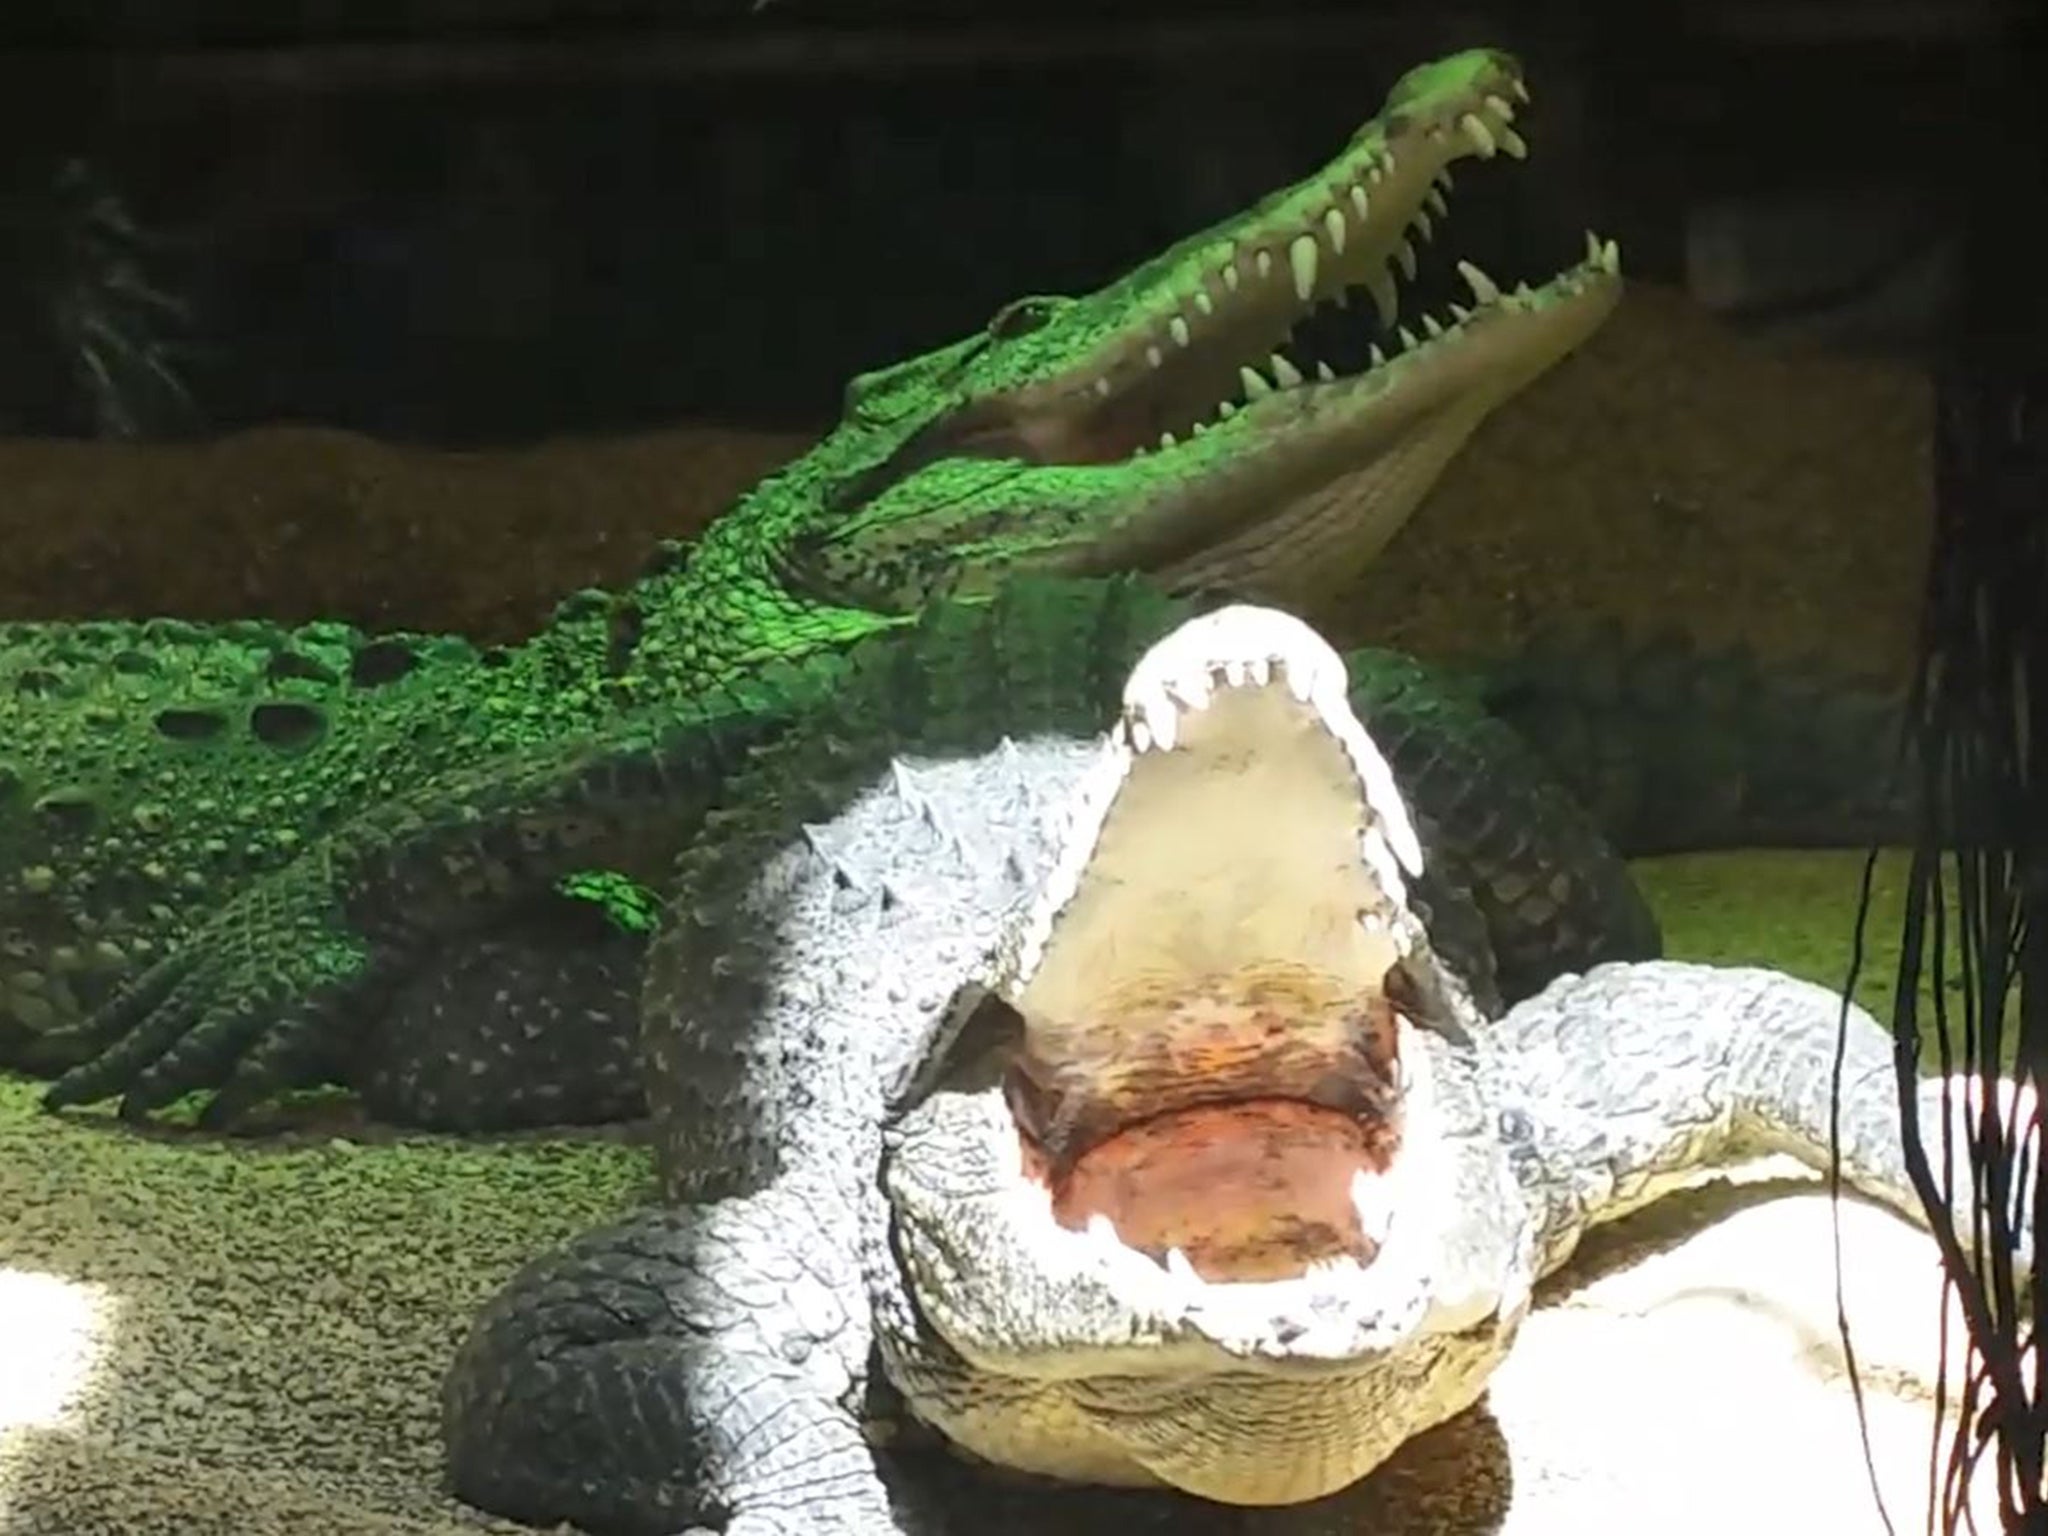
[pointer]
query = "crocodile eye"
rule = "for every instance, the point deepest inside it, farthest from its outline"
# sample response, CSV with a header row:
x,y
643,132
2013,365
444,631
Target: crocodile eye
x,y
1020,318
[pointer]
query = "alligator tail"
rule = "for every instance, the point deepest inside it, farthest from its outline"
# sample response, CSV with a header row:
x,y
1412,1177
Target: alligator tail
x,y
1673,747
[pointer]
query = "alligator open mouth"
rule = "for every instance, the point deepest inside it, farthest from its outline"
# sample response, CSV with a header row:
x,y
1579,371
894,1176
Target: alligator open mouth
x,y
1214,1064
1175,1181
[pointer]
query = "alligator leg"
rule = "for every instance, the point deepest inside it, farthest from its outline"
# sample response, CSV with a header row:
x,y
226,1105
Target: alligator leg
x,y
1620,1082
697,1367
705,1372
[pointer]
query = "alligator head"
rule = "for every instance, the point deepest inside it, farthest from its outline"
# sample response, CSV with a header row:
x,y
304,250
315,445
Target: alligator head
x,y
1160,424
1202,1188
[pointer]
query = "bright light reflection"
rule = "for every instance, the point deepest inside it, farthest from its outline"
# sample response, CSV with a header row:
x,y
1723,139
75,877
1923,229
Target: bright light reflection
x,y
53,1332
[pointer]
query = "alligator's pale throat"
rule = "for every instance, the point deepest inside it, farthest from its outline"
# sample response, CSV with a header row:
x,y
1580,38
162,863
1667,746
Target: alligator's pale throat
x,y
1210,1058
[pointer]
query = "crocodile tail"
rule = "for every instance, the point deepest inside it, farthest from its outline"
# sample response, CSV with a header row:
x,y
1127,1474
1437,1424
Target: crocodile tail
x,y
1675,747
1504,845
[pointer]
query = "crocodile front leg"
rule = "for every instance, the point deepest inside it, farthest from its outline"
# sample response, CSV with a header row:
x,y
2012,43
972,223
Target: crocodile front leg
x,y
1621,1084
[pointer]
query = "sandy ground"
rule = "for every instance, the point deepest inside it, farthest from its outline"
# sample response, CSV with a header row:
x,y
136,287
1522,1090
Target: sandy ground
x,y
1671,476
195,1338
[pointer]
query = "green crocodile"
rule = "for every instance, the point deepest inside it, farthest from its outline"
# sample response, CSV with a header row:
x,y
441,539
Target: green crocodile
x,y
158,773
243,857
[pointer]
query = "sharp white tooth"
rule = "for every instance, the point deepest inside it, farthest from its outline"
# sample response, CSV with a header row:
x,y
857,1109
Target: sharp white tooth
x,y
1167,440
1177,328
1480,135
1260,670
1373,1199
1203,302
1262,262
1194,689
1177,1265
1610,256
1301,683
1341,297
1377,855
1434,201
1334,228
1423,224
1234,671
1375,174
1165,722
1501,108
1254,383
1198,429
1379,358
1381,286
1154,356
1392,830
1433,326
1520,90
1102,387
1387,161
1443,178
1460,313
1285,374
1230,277
1592,246
1325,374
1302,258
1226,410
1484,289
1514,143
1140,734
1408,341
1360,203
1404,253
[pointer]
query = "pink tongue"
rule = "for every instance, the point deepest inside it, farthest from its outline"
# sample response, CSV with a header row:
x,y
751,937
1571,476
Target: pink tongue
x,y
1263,1033
1255,1190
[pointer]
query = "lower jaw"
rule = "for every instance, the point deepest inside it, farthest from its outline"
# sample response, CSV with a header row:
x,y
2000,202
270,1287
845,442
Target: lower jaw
x,y
1255,1190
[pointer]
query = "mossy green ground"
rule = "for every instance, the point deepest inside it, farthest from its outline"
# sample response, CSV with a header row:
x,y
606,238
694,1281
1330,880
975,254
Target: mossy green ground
x,y
259,1328
1793,910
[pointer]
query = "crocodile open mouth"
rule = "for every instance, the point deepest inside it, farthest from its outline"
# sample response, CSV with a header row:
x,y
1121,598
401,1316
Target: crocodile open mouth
x,y
1225,328
1225,417
1212,1066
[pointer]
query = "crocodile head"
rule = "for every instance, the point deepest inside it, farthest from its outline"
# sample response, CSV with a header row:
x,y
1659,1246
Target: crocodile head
x,y
1167,423
1202,1189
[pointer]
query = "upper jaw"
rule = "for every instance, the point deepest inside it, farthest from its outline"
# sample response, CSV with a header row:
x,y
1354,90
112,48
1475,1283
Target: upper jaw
x,y
1153,427
1161,424
1021,1279
1152,359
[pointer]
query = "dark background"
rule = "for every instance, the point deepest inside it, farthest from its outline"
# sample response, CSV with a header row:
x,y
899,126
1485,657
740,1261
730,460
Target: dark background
x,y
485,221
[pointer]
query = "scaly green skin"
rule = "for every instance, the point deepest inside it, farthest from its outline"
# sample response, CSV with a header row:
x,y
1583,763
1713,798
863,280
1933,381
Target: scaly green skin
x,y
159,777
